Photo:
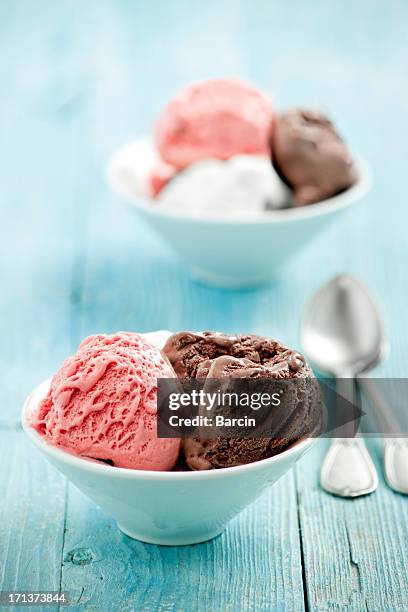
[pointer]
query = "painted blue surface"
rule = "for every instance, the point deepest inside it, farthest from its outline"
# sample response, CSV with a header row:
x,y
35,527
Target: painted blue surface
x,y
79,79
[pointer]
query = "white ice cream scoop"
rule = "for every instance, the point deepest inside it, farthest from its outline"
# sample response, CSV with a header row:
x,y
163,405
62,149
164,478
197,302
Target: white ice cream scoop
x,y
242,185
137,171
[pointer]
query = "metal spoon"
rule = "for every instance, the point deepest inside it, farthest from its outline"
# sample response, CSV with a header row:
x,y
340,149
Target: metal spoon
x,y
395,449
341,333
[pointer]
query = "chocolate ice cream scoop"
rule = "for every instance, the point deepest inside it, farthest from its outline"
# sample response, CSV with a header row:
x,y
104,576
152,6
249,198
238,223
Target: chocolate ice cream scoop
x,y
211,355
189,351
310,156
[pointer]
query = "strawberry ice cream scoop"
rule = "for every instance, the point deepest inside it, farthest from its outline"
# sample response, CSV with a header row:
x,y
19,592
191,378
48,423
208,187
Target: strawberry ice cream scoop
x,y
217,118
102,404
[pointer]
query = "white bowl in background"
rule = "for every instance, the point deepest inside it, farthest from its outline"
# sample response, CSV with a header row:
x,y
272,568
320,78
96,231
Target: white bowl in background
x,y
168,508
239,251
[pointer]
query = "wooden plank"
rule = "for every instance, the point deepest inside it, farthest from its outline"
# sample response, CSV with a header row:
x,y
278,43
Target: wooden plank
x,y
44,197
32,510
355,551
131,281
254,565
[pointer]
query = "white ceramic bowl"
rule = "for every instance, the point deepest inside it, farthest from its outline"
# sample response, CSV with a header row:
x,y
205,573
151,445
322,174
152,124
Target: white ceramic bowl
x,y
169,508
240,251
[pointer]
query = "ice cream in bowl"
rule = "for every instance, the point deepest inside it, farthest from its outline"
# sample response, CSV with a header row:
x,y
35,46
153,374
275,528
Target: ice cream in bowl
x,y
235,186
96,421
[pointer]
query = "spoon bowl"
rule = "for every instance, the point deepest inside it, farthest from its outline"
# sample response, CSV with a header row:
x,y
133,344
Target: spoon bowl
x,y
342,330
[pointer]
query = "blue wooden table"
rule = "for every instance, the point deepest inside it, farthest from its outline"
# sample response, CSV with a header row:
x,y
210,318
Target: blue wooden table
x,y
80,78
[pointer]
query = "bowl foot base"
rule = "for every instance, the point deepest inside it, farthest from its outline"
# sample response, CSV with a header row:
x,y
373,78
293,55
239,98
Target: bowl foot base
x,y
228,282
169,540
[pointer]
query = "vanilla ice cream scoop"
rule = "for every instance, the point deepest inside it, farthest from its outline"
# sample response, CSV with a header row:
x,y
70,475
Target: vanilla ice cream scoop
x,y
243,185
137,171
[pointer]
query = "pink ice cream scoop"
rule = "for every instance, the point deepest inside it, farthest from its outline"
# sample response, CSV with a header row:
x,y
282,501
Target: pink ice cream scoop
x,y
102,404
217,118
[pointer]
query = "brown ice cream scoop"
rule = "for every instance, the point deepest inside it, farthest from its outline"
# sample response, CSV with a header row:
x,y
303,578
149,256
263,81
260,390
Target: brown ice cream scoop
x,y
211,355
187,351
310,156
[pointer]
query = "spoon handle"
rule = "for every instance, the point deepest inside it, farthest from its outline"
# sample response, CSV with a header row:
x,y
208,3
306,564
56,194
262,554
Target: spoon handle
x,y
347,469
395,449
380,405
396,464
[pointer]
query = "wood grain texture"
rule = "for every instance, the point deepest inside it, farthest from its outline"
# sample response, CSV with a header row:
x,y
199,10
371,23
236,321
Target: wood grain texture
x,y
355,551
43,193
254,565
84,77
32,515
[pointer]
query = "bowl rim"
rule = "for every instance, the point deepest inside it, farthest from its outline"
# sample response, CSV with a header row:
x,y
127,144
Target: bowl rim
x,y
150,207
96,467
